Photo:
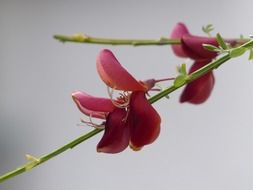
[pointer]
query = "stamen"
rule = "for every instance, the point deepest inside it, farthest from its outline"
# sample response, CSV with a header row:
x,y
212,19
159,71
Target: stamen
x,y
126,116
92,124
123,101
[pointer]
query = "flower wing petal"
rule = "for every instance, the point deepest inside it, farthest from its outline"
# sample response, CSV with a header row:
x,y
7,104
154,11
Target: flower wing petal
x,y
114,75
178,32
199,90
193,47
143,120
92,106
116,135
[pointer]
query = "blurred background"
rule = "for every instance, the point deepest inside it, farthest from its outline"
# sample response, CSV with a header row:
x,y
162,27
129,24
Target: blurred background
x,y
200,147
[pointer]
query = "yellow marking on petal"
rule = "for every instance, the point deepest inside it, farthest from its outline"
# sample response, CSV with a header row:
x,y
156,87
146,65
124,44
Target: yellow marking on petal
x,y
134,148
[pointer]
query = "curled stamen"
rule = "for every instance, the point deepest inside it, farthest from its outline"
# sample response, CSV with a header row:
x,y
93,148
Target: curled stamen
x,y
122,102
92,124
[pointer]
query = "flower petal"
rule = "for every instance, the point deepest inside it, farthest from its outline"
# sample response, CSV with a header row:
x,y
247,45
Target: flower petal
x,y
143,120
178,32
193,47
200,89
114,75
92,106
116,135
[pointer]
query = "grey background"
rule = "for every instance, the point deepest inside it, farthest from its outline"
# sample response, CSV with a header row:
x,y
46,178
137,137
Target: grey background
x,y
200,147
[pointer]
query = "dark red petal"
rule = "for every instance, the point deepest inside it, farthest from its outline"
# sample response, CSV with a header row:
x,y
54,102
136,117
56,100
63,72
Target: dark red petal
x,y
178,32
114,75
193,47
90,105
143,120
199,90
116,135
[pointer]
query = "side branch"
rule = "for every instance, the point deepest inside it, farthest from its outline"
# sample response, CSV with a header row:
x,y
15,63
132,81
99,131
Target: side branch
x,y
82,38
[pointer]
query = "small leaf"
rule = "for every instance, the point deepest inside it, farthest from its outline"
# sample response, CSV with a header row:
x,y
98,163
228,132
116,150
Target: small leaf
x,y
250,54
211,47
167,97
236,52
179,81
183,69
221,41
207,29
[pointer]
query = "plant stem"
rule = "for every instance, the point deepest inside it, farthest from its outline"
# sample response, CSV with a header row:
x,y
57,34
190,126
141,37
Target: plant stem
x,y
191,77
198,73
81,38
42,159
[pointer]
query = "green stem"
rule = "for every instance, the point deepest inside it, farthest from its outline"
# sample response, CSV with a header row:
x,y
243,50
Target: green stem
x,y
193,76
198,73
81,38
42,159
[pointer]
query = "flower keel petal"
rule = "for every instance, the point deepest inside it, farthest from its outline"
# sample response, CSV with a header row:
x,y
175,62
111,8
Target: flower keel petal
x,y
116,135
143,120
198,91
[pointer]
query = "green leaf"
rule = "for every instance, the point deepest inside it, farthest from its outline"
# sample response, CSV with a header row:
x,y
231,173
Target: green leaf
x,y
236,52
211,47
207,29
221,42
179,81
183,69
250,54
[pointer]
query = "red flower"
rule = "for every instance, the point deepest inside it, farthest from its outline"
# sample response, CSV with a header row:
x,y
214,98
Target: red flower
x,y
199,90
130,119
192,46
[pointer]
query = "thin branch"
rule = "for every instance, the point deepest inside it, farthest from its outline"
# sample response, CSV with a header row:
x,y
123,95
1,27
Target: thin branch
x,y
82,38
193,76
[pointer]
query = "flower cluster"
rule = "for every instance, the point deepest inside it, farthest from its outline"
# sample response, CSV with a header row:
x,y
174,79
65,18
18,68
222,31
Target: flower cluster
x,y
128,120
191,47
